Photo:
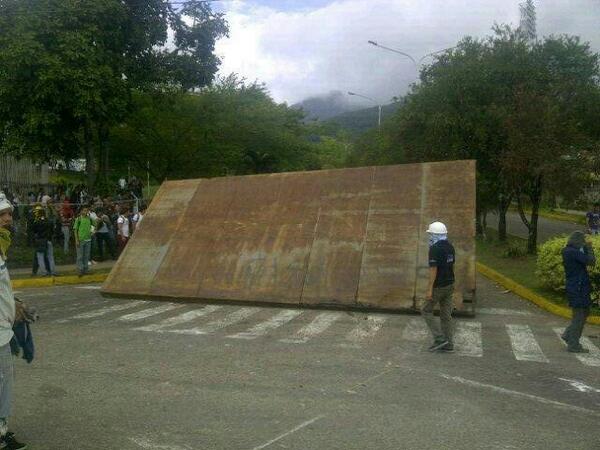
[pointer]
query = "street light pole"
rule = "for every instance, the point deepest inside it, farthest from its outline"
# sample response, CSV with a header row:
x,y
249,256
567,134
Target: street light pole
x,y
417,64
374,101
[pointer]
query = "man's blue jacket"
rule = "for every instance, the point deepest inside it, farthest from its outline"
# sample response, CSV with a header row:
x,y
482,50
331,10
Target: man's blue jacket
x,y
578,285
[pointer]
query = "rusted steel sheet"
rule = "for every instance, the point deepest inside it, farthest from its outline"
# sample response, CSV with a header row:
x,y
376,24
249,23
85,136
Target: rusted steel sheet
x,y
349,237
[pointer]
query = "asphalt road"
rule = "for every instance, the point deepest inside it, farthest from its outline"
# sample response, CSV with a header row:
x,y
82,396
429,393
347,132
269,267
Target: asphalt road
x,y
118,374
547,228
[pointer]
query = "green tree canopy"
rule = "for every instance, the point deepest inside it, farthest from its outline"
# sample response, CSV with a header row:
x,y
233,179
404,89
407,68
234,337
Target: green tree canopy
x,y
69,68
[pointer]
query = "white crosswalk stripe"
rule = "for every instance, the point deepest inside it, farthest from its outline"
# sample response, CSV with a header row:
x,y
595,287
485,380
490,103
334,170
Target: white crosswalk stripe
x,y
468,334
264,327
211,327
589,359
366,329
467,339
316,327
503,312
416,331
103,311
179,319
524,345
148,312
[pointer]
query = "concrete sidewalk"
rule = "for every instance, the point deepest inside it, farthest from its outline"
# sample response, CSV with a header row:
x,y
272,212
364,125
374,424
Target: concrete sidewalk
x,y
69,269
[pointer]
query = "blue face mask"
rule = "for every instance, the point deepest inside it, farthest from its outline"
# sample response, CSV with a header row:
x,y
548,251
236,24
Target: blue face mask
x,y
435,238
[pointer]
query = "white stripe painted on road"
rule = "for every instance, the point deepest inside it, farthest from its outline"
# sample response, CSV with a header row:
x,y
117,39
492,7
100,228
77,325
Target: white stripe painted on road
x,y
366,329
416,331
524,345
503,312
211,327
148,312
467,339
103,311
580,386
268,325
316,327
152,445
179,319
536,398
589,359
89,287
293,430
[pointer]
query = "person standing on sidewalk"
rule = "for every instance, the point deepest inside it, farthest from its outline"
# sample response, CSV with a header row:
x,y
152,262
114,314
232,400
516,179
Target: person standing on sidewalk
x,y
441,288
577,255
593,219
83,239
123,229
66,219
7,318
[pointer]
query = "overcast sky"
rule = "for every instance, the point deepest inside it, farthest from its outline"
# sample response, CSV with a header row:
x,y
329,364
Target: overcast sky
x,y
302,48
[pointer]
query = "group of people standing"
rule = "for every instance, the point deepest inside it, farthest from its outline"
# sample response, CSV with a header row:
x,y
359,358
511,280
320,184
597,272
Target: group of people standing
x,y
577,256
109,230
99,231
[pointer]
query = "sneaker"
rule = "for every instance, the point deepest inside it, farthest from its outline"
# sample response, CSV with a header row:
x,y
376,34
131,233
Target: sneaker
x,y
448,348
579,349
437,345
564,338
12,443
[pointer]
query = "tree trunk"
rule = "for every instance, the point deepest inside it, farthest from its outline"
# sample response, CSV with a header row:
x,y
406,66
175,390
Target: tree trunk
x,y
90,160
536,199
535,195
503,204
103,133
478,223
484,223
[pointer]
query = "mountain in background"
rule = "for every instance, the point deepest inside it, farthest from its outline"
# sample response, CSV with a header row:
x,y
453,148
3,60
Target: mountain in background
x,y
357,122
327,106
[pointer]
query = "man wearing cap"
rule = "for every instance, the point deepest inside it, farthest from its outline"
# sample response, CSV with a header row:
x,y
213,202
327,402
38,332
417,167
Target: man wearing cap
x,y
7,318
440,288
577,255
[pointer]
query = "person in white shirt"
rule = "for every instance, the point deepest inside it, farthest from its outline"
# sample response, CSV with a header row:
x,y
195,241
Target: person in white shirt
x,y
123,229
137,219
7,317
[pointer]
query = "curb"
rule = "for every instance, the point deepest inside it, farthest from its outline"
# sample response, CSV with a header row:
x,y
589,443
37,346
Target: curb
x,y
57,281
527,294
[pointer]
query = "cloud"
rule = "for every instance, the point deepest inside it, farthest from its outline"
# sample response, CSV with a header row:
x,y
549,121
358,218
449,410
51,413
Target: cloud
x,y
301,53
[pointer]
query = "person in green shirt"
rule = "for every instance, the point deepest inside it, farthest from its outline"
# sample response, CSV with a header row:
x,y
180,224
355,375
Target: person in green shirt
x,y
82,228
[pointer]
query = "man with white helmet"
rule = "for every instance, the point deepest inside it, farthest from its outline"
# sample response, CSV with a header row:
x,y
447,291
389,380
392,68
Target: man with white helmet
x,y
440,288
7,318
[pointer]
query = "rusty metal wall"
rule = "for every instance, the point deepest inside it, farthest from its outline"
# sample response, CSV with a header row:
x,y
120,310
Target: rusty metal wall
x,y
348,237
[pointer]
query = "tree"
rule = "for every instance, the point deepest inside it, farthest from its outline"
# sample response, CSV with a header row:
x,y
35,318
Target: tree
x,y
70,68
229,128
520,108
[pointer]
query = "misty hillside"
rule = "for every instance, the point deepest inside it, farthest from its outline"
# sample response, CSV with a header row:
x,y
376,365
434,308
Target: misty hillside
x,y
357,122
327,106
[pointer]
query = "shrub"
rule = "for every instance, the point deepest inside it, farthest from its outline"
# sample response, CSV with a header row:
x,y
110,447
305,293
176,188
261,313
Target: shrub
x,y
515,250
549,264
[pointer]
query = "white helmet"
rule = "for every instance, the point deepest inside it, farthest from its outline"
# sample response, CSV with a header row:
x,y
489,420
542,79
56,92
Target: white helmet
x,y
437,228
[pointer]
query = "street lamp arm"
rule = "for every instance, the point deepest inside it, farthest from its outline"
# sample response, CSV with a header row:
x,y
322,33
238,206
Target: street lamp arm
x,y
393,50
435,53
363,96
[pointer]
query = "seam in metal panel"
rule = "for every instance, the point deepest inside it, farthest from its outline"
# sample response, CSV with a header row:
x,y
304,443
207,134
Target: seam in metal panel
x,y
307,264
366,232
424,191
168,244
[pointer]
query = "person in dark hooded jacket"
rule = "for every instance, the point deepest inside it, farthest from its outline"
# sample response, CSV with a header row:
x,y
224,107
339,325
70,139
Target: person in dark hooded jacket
x,y
577,255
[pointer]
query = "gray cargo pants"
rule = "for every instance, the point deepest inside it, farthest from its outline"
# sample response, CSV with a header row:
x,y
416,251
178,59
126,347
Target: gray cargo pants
x,y
443,296
6,386
573,332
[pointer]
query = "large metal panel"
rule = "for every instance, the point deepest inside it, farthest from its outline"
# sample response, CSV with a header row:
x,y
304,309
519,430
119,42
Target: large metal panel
x,y
350,237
